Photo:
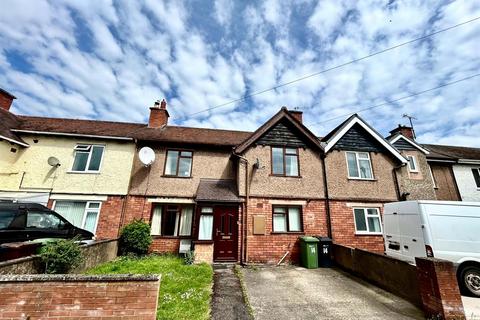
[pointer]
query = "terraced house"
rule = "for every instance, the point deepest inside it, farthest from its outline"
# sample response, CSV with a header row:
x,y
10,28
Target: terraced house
x,y
229,195
79,168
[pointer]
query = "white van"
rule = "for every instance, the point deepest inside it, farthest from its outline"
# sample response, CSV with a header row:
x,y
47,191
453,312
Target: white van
x,y
447,230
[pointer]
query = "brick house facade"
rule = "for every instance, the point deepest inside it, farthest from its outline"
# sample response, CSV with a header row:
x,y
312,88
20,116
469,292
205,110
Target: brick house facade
x,y
233,195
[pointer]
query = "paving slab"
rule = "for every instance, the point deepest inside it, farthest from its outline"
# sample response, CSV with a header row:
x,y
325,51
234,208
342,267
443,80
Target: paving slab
x,y
472,307
289,292
227,300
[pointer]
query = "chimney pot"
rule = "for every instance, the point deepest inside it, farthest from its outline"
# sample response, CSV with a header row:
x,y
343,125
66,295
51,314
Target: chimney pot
x,y
158,114
6,99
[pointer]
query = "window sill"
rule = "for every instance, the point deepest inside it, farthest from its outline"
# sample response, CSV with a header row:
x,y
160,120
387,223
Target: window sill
x,y
283,176
362,179
167,176
289,233
84,172
170,237
203,241
369,234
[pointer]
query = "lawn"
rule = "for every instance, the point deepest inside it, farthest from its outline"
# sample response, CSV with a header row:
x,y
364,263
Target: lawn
x,y
185,290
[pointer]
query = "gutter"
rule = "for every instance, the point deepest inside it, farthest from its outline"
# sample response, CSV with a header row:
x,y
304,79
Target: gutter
x,y
14,141
72,135
395,180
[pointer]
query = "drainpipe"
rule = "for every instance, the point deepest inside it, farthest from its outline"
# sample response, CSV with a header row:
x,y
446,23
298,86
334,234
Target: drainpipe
x,y
327,198
244,251
395,180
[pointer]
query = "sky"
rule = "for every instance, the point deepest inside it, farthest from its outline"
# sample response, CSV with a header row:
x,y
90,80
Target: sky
x,y
111,60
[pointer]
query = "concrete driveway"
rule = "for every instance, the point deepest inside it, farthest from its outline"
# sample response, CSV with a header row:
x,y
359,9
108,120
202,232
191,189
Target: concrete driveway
x,y
290,292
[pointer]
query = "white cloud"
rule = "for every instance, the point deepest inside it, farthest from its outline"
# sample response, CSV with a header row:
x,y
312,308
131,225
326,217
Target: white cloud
x,y
112,60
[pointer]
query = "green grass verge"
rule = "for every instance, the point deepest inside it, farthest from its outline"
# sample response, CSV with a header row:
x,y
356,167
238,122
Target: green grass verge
x,y
239,274
185,290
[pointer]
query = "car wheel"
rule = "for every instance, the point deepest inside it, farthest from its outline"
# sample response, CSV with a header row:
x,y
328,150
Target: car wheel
x,y
470,281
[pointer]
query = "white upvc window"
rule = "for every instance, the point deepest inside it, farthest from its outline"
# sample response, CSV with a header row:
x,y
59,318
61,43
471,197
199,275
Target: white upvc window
x,y
87,158
359,165
412,163
367,221
205,228
476,176
82,214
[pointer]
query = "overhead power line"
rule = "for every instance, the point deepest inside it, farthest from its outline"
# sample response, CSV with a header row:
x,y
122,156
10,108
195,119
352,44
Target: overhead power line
x,y
398,99
333,68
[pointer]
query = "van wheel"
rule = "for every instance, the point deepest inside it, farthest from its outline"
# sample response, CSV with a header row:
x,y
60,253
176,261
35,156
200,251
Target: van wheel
x,y
470,281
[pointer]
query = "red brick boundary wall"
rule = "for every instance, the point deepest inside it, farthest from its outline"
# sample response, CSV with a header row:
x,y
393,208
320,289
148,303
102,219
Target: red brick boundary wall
x,y
431,285
438,289
95,253
79,297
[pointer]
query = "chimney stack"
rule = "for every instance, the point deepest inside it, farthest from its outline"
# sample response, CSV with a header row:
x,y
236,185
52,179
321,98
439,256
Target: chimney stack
x,y
404,130
297,115
6,99
158,114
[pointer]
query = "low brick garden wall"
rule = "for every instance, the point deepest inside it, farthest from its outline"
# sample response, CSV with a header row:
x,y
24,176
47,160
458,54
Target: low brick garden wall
x,y
79,296
95,253
431,284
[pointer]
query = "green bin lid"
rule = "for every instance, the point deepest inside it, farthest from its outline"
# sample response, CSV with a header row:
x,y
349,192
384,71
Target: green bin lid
x,y
308,239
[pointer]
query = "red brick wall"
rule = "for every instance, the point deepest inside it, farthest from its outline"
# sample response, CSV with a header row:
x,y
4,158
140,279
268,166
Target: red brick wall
x,y
270,248
78,297
343,228
162,245
109,219
5,101
439,289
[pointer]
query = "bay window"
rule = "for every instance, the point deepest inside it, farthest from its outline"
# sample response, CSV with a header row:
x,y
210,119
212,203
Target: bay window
x,y
359,165
172,220
287,219
82,214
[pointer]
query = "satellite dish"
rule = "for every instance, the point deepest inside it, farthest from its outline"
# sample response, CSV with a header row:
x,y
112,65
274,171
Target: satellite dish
x,y
54,162
146,156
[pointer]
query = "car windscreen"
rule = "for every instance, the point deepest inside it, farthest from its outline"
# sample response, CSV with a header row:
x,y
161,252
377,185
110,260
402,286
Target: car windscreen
x,y
6,218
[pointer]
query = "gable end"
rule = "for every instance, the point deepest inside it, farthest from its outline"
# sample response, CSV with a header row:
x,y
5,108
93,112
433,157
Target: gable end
x,y
281,135
401,144
358,139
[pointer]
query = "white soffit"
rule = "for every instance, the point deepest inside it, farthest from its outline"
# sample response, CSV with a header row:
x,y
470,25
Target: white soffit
x,y
400,136
380,139
79,197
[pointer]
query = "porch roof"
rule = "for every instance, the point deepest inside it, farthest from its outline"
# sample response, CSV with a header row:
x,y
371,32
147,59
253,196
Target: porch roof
x,y
214,190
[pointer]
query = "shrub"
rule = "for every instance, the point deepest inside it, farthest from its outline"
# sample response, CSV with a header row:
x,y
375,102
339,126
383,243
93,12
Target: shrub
x,y
189,257
61,256
135,238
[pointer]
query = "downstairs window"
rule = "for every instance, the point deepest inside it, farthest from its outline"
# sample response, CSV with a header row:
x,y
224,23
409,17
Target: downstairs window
x,y
367,221
172,220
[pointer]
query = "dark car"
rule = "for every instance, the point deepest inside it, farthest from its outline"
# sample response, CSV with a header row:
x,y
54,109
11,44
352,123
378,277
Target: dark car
x,y
30,221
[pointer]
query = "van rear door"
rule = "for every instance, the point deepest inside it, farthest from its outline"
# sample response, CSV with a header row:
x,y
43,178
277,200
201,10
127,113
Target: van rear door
x,y
411,235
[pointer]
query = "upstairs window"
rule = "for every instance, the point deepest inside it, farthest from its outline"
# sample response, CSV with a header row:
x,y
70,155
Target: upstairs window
x,y
87,158
367,221
178,163
412,164
359,165
476,176
285,162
